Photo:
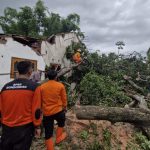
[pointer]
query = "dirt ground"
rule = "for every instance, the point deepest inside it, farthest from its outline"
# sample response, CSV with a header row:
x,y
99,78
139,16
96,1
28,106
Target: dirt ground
x,y
121,134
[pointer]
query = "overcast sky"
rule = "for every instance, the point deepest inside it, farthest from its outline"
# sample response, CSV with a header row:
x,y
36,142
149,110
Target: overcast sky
x,y
104,22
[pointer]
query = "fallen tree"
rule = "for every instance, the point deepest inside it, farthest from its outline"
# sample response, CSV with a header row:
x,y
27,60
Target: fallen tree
x,y
114,114
137,116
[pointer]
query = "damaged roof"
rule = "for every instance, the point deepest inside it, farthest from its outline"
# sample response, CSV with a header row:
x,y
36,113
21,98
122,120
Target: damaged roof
x,y
34,43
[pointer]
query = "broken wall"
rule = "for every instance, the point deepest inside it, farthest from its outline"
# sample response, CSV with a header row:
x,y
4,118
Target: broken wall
x,y
54,52
15,49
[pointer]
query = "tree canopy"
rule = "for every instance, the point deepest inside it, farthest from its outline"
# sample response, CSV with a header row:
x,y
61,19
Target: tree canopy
x,y
37,21
102,81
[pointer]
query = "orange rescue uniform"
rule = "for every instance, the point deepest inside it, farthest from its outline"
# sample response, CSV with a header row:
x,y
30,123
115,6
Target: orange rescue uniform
x,y
20,103
77,57
54,98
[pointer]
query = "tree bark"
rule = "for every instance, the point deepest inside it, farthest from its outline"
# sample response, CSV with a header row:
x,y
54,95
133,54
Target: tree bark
x,y
141,101
65,70
114,114
127,78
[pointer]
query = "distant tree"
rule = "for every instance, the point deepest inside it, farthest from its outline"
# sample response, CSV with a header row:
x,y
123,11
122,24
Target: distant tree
x,y
53,24
37,21
40,16
71,23
148,55
120,45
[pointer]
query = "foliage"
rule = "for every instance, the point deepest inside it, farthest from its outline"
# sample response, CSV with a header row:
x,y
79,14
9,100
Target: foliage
x,y
71,98
84,135
105,145
107,139
102,83
148,55
103,64
93,126
115,66
37,22
143,142
101,90
120,45
132,146
94,146
138,142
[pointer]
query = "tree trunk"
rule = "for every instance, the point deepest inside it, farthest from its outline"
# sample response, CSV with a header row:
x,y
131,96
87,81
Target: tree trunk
x,y
114,114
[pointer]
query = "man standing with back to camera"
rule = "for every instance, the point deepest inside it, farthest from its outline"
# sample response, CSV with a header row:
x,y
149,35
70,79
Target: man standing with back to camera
x,y
20,108
54,103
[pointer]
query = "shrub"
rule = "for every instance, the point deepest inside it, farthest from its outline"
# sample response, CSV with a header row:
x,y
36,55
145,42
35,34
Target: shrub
x,y
101,90
143,142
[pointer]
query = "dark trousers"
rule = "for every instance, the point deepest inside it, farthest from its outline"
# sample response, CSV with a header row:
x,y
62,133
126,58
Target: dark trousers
x,y
17,138
48,122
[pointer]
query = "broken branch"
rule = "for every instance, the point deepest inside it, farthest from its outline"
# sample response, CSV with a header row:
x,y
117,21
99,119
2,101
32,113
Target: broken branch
x,y
133,84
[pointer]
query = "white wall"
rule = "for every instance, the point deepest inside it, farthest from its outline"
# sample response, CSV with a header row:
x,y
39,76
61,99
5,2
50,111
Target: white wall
x,y
15,49
57,51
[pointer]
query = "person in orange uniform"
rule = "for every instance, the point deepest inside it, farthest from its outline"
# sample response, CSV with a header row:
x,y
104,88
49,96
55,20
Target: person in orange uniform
x,y
77,56
20,108
54,104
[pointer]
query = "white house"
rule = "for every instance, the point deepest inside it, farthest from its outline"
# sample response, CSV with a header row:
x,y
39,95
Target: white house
x,y
54,48
14,49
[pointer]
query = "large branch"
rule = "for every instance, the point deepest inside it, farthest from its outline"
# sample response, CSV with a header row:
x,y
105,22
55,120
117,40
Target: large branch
x,y
65,70
114,114
141,101
133,84
142,77
62,72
